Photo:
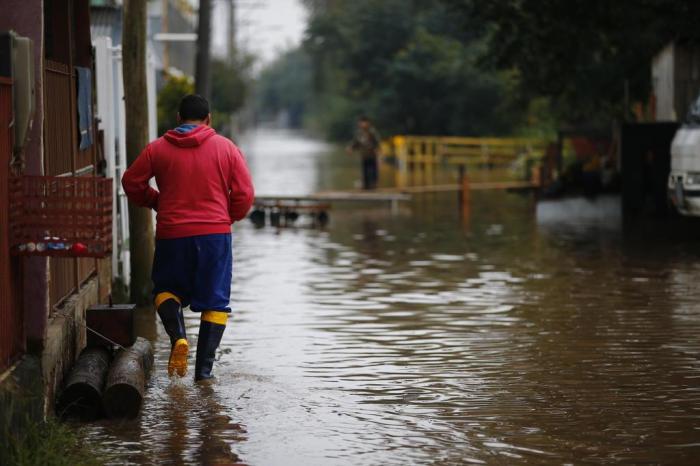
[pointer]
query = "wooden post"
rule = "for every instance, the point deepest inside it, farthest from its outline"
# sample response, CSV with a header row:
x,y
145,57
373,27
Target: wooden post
x,y
400,152
464,197
232,48
202,73
126,381
164,27
465,190
141,241
82,396
560,153
430,162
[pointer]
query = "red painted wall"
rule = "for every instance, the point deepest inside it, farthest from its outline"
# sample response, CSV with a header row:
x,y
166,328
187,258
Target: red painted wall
x,y
26,18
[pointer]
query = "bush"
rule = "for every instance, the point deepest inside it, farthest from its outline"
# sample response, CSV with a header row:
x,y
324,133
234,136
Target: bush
x,y
175,88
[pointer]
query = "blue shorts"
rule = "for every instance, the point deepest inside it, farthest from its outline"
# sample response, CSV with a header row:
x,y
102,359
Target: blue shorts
x,y
196,269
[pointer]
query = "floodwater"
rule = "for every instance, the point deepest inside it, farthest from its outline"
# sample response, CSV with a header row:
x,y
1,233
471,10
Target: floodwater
x,y
516,334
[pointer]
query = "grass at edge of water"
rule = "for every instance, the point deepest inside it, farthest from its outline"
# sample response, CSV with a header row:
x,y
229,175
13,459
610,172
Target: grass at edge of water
x,y
49,443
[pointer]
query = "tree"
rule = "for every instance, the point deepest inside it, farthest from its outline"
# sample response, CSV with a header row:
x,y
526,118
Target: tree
x,y
169,97
408,65
585,55
285,86
229,89
141,241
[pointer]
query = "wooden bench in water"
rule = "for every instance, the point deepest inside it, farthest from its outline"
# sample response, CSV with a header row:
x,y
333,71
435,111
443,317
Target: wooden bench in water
x,y
322,200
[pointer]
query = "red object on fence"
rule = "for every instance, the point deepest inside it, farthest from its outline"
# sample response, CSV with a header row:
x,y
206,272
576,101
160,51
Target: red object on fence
x,y
61,216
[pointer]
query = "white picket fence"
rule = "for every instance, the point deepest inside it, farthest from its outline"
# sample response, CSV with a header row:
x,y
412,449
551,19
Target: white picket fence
x,y
111,115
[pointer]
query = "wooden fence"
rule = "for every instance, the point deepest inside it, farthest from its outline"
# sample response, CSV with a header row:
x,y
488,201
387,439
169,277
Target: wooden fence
x,y
62,157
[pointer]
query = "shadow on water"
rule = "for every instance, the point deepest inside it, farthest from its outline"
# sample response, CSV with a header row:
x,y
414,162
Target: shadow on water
x,y
548,333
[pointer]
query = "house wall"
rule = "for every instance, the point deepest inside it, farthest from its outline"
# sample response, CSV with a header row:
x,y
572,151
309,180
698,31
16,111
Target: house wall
x,y
181,55
26,18
22,386
12,342
686,78
675,72
55,331
662,71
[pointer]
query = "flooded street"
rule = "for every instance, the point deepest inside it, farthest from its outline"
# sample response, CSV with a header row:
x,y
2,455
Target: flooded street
x,y
522,334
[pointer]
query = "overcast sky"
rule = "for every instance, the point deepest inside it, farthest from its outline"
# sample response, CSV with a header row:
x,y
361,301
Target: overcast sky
x,y
265,27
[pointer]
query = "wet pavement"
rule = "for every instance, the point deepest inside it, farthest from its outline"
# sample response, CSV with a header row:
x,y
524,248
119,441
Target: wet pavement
x,y
518,334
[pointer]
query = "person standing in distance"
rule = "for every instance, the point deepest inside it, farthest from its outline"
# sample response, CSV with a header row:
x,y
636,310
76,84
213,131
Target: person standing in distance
x,y
366,142
203,187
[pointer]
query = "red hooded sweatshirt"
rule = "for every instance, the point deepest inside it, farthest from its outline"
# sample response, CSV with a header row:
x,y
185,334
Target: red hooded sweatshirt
x,y
203,181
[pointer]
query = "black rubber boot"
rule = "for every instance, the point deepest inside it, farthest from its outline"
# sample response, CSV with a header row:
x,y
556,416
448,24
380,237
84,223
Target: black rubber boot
x,y
174,323
211,330
173,320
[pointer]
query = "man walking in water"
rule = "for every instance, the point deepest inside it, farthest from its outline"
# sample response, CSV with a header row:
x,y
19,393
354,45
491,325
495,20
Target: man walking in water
x,y
203,187
366,142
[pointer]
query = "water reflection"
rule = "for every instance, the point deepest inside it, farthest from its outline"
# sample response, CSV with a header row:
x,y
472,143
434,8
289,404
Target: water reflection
x,y
182,423
414,339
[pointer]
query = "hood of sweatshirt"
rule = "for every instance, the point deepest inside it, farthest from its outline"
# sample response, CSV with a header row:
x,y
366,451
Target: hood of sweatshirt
x,y
192,138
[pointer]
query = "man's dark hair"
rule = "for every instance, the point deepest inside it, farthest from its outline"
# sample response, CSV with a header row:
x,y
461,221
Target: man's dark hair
x,y
363,118
193,107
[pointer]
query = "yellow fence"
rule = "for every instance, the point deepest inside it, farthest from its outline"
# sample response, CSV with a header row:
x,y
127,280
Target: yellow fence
x,y
504,158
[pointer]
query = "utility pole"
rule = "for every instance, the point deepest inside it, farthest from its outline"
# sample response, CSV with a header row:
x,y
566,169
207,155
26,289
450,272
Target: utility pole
x,y
202,76
141,242
165,5
232,32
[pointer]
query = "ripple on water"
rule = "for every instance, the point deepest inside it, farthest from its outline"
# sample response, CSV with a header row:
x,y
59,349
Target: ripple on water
x,y
419,339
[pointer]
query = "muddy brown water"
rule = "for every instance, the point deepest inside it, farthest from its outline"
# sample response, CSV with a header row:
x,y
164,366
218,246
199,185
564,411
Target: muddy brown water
x,y
521,334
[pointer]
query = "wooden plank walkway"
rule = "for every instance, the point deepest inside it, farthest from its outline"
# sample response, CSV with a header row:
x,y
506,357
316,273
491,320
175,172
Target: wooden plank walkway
x,y
337,196
391,194
321,201
479,186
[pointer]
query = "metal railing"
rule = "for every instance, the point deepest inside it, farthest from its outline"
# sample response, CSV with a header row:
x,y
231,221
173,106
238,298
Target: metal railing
x,y
509,159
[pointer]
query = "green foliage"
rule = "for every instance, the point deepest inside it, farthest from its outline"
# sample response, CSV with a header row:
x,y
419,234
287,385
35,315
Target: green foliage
x,y
45,444
406,64
285,86
175,88
581,54
433,87
334,116
229,89
486,67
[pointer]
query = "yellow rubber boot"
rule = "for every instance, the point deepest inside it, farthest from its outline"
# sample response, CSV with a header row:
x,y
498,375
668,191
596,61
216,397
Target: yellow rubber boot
x,y
170,313
178,358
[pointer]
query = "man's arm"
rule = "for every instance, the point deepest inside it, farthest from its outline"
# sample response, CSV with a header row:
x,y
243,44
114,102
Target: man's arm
x,y
376,138
135,182
353,145
242,193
